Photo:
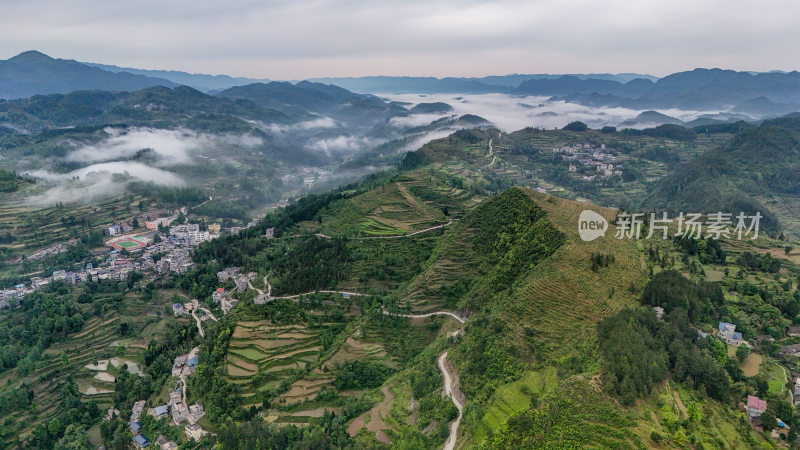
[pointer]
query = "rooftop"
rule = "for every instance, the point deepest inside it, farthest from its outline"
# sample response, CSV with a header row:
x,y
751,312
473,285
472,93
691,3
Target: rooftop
x,y
756,403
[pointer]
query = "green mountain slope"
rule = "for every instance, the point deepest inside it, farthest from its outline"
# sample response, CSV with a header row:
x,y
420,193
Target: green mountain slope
x,y
376,296
34,73
756,171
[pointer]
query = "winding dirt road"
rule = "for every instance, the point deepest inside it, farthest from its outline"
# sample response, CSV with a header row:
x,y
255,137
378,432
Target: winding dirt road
x,y
394,236
420,316
450,389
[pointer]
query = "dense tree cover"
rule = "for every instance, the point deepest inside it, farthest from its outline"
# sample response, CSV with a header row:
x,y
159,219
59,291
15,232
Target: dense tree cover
x,y
227,209
201,280
73,415
426,386
637,350
635,359
43,317
9,181
575,126
759,262
667,131
488,358
361,374
209,383
759,161
512,234
237,250
608,129
708,250
601,260
326,433
311,263
671,290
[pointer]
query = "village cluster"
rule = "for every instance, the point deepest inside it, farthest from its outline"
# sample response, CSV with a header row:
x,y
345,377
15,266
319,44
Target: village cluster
x,y
589,161
176,408
309,176
129,252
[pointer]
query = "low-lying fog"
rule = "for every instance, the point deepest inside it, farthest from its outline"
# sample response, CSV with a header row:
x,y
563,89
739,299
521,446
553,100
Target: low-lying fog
x,y
512,113
107,166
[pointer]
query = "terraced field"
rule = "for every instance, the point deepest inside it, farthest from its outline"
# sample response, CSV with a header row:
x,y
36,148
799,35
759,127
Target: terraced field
x,y
261,355
515,397
563,297
36,228
452,260
387,210
307,388
97,341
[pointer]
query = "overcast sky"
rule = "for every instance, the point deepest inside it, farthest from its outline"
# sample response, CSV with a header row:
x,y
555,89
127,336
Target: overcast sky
x,y
301,39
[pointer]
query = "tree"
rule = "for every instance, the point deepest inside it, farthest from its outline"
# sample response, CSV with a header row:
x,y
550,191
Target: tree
x,y
680,437
742,352
694,413
768,420
75,438
576,126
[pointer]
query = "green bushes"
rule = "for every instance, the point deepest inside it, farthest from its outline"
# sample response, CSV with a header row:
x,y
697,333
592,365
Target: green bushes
x,y
671,290
360,374
575,416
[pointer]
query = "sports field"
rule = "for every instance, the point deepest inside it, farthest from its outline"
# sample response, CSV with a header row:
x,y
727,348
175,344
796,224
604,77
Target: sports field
x,y
127,244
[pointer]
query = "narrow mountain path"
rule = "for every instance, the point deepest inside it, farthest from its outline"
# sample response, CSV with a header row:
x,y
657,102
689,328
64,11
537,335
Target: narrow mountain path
x,y
394,236
210,314
420,316
250,285
199,325
452,391
323,291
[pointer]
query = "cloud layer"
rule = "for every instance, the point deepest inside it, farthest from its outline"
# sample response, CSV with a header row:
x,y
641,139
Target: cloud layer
x,y
511,113
110,164
295,40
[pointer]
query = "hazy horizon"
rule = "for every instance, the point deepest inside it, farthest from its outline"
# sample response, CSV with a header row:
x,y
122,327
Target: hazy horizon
x,y
296,41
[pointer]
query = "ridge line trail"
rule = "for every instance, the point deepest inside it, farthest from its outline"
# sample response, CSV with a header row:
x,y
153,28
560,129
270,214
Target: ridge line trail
x,y
449,390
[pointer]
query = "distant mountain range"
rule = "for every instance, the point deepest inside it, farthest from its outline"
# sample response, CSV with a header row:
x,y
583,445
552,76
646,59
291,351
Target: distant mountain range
x,y
34,73
199,81
449,85
762,95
